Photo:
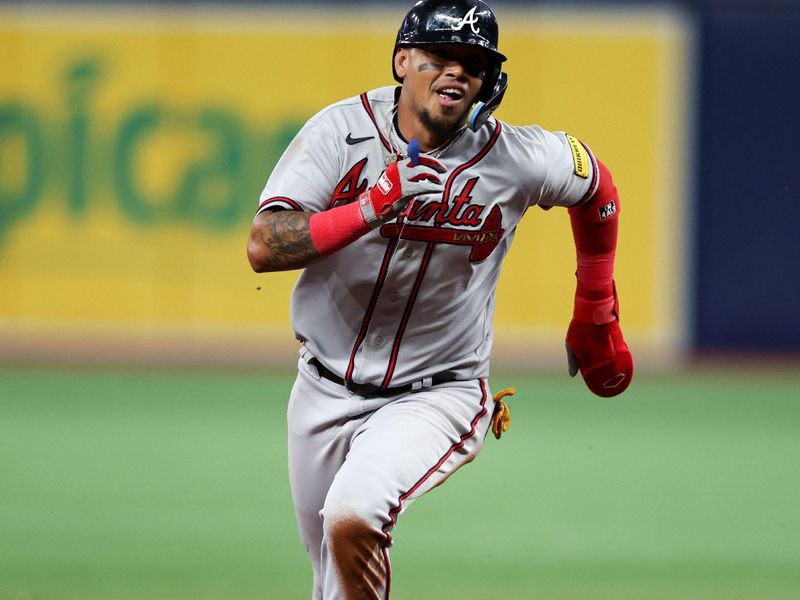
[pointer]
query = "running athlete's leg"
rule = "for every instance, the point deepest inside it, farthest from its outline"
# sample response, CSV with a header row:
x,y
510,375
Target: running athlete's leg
x,y
318,443
398,453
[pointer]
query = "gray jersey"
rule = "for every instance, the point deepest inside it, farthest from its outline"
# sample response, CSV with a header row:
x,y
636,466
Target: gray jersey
x,y
415,296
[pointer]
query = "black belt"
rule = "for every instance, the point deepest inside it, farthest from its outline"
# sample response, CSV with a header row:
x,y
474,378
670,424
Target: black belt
x,y
370,389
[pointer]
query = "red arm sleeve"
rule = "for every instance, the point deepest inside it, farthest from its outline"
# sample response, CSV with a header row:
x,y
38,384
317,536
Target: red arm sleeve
x,y
595,345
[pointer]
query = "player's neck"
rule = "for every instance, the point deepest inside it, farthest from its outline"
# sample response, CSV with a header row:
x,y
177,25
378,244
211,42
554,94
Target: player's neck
x,y
410,127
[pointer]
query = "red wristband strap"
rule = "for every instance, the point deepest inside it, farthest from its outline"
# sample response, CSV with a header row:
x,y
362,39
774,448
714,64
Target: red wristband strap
x,y
333,229
598,312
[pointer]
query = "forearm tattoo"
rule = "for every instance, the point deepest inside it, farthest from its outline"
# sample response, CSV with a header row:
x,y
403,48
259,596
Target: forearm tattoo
x,y
287,240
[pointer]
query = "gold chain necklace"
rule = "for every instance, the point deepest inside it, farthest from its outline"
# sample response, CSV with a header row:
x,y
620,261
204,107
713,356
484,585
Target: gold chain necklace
x,y
397,153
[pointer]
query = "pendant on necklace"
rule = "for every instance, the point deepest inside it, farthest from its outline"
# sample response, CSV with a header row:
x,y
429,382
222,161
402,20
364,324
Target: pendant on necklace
x,y
391,158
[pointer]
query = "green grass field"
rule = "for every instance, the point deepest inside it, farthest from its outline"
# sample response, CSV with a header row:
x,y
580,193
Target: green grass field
x,y
172,485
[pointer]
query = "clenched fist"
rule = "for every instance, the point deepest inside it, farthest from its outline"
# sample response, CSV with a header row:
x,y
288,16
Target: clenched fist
x,y
399,183
596,348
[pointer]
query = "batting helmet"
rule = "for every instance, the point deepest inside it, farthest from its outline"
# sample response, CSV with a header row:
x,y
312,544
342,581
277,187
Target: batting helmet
x,y
458,22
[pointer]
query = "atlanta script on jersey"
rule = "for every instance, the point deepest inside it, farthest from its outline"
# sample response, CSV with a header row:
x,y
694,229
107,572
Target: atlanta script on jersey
x,y
416,296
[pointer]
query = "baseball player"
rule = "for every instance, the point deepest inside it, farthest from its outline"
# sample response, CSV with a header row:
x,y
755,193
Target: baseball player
x,y
400,205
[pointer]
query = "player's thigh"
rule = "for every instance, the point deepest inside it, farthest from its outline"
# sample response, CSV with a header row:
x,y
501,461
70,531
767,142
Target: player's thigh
x,y
318,438
409,446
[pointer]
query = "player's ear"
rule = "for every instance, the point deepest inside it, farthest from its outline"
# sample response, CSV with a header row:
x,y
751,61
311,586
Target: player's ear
x,y
401,62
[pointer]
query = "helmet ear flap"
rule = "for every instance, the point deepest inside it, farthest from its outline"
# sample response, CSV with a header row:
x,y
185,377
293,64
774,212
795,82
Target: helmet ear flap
x,y
484,109
489,81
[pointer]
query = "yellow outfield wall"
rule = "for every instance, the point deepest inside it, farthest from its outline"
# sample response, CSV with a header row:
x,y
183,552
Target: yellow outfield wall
x,y
134,143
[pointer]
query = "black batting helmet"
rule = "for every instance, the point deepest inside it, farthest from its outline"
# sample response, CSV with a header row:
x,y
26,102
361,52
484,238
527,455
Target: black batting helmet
x,y
457,22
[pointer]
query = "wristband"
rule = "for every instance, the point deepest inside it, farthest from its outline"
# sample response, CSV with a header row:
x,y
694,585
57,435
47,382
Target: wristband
x,y
333,229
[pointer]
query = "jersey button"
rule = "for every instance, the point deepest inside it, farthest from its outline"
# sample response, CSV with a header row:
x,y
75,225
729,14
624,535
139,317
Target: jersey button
x,y
379,341
408,253
393,296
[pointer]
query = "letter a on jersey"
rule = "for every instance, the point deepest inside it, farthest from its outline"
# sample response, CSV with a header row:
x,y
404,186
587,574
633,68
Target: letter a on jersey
x,y
350,188
469,19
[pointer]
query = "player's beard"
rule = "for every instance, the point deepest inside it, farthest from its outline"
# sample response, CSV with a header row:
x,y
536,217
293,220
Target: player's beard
x,y
442,128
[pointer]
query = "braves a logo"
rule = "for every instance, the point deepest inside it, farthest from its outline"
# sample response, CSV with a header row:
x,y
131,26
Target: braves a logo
x,y
351,185
469,19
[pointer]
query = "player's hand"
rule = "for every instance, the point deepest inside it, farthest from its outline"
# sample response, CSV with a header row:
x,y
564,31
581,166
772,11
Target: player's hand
x,y
596,348
398,184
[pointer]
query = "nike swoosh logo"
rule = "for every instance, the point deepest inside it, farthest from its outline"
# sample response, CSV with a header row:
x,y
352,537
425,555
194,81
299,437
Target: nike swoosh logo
x,y
351,141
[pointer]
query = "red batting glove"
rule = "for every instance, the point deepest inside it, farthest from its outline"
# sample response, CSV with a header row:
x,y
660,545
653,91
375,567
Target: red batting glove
x,y
595,346
399,183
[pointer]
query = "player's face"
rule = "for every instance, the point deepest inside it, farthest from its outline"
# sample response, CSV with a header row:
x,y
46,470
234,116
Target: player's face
x,y
440,83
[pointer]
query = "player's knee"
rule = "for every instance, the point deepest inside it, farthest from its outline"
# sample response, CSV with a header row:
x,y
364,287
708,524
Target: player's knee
x,y
344,512
349,529
351,517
